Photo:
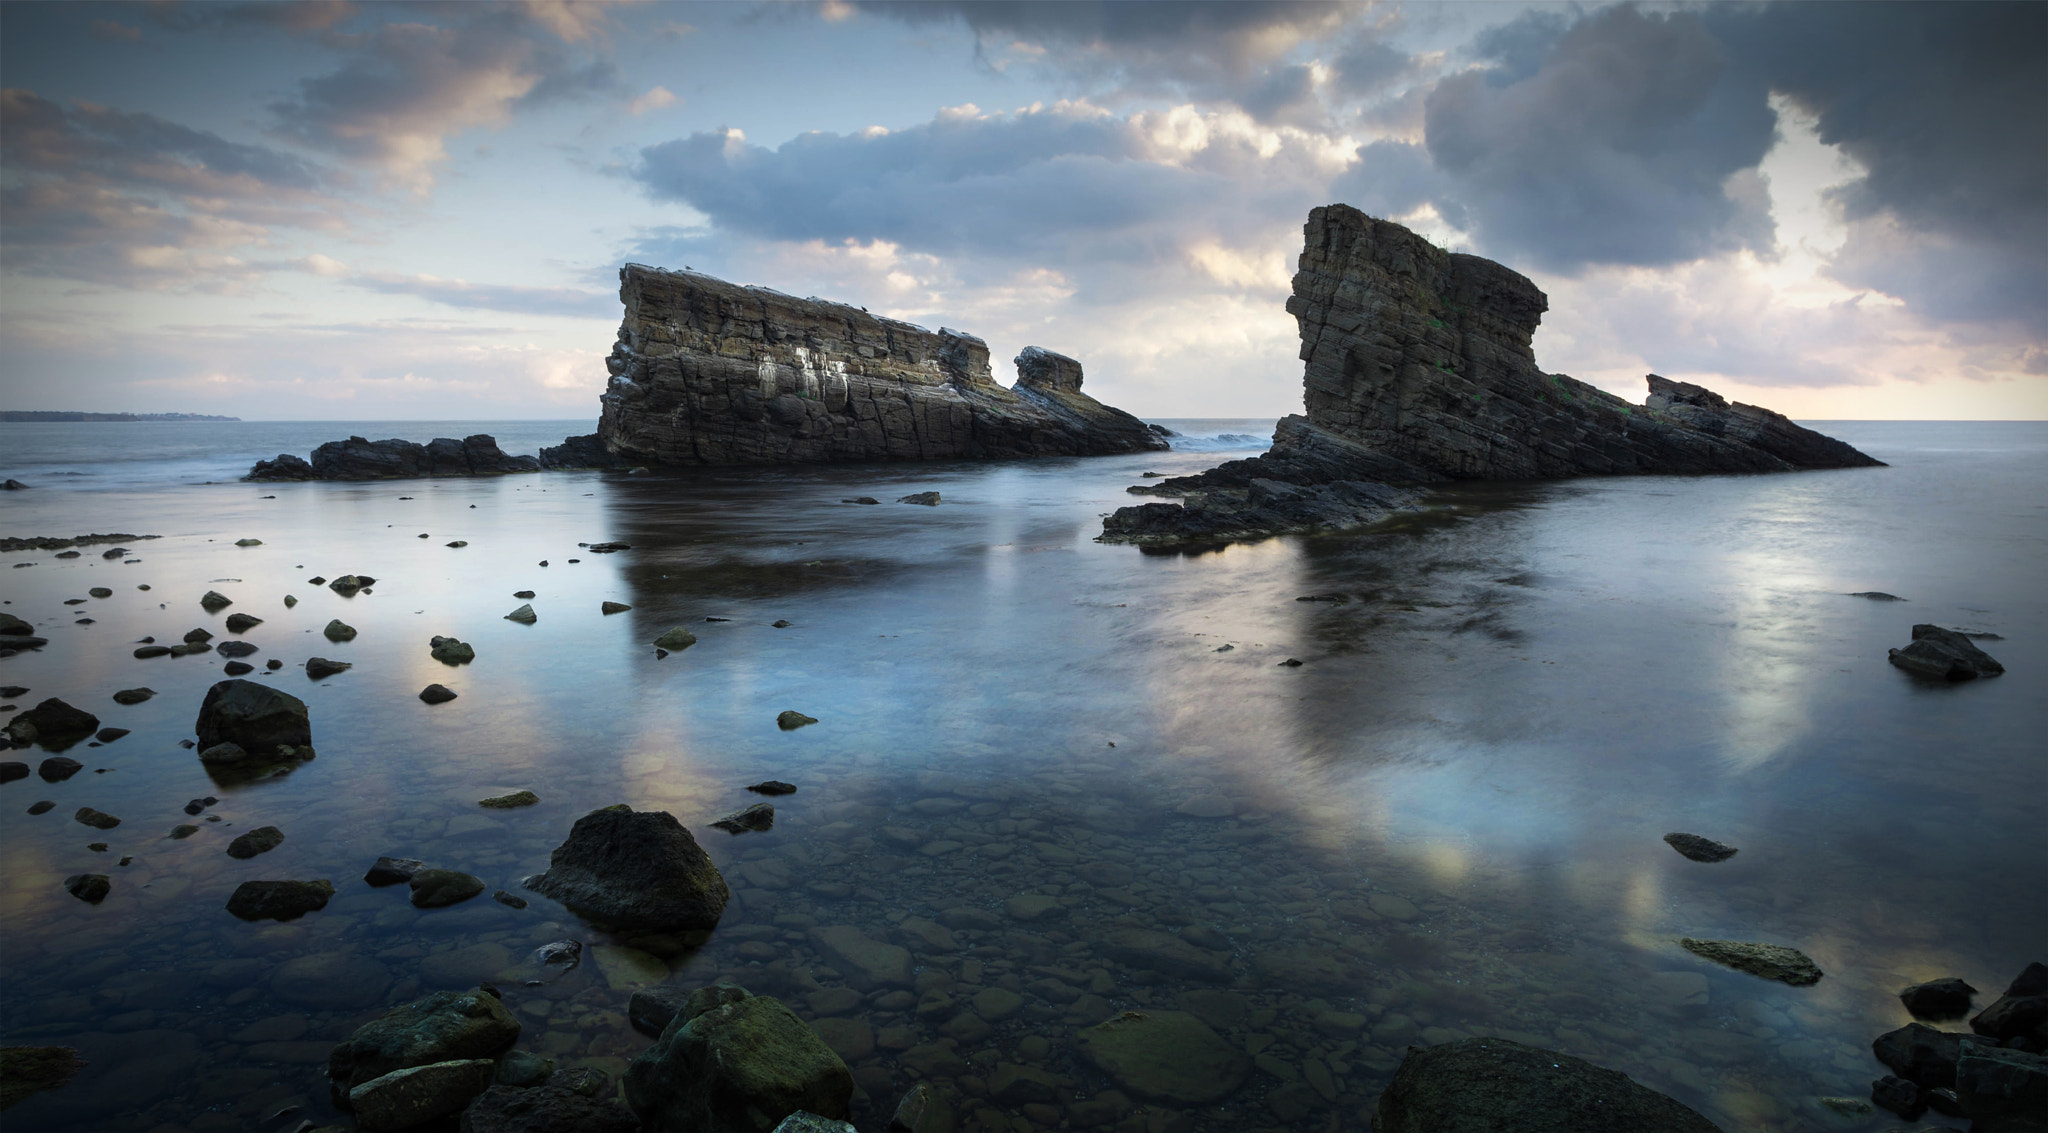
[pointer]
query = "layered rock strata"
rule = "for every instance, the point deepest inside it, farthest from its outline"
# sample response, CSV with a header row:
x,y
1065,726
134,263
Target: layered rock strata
x,y
710,372
1419,368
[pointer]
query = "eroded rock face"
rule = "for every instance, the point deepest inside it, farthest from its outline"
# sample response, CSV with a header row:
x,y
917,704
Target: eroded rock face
x,y
710,372
1505,1087
1424,355
1419,368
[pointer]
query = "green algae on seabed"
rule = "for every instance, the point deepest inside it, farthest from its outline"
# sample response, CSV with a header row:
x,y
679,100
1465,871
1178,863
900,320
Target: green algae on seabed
x,y
26,1070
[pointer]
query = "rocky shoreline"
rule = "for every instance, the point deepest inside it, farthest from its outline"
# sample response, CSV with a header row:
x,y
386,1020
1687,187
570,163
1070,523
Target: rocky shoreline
x,y
1419,369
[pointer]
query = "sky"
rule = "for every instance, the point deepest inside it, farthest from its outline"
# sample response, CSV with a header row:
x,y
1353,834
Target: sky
x,y
408,211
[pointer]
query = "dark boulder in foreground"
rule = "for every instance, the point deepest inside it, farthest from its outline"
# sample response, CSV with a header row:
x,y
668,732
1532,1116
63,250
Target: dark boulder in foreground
x,y
635,870
738,1066
1419,368
2021,1013
254,717
447,1026
1504,1087
710,372
1945,655
360,459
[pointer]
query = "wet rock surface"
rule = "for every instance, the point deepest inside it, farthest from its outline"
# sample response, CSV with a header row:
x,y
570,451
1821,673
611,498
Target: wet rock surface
x,y
51,722
1419,368
359,458
1506,1087
1945,655
740,1066
1769,961
709,372
252,716
279,900
635,869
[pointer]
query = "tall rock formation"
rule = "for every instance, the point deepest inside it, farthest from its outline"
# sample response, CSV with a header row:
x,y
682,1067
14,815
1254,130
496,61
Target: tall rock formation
x,y
710,372
1419,369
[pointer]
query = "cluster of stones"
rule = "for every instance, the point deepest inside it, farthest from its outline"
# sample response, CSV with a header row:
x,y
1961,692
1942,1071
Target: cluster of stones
x,y
1997,1076
1419,368
710,372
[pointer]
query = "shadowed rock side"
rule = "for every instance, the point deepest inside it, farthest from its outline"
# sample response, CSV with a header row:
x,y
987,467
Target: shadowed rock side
x,y
1419,369
710,372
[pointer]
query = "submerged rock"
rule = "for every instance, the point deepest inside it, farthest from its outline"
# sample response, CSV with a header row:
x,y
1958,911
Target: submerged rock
x,y
1770,961
26,1070
675,639
635,870
133,695
405,1099
759,816
1170,1057
1700,849
928,499
736,1067
1504,1087
508,802
91,888
556,1105
446,1026
1945,655
279,900
261,840
439,888
393,871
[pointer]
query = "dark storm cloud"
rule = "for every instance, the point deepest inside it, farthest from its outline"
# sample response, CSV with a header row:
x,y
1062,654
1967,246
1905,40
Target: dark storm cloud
x,y
1617,148
1946,107
117,196
1000,185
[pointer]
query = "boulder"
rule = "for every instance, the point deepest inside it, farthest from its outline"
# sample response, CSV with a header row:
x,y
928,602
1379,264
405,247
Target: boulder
x,y
91,888
524,615
675,639
1946,655
759,816
1504,1087
2021,1013
437,694
790,721
52,721
2002,1090
553,1106
214,601
252,716
1700,849
1947,998
261,840
446,1026
1169,1057
710,372
133,695
739,1067
1920,1054
279,900
635,870
613,607
338,631
409,1098
449,651
1770,961
393,871
318,667
242,623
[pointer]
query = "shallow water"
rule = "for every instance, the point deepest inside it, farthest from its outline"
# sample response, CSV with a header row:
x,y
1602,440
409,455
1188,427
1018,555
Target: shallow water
x,y
1445,822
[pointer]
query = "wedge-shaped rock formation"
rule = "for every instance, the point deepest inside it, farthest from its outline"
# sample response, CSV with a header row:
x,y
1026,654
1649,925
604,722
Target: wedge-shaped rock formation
x,y
1419,368
710,372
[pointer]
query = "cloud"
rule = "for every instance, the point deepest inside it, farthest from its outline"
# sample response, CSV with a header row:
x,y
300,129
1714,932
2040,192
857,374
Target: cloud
x,y
1623,145
408,87
654,99
565,301
1946,109
122,197
1065,183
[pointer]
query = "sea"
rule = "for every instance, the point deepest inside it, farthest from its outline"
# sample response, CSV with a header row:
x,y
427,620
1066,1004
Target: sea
x,y
1387,788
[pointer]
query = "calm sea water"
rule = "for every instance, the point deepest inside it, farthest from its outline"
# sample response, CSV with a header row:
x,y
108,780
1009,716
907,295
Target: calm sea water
x,y
1445,822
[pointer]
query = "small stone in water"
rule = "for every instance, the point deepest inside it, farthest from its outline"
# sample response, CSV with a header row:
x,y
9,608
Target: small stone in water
x,y
792,720
773,787
759,816
1700,849
507,802
437,694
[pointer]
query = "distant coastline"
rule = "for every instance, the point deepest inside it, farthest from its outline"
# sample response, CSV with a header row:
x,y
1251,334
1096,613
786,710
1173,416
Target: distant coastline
x,y
64,415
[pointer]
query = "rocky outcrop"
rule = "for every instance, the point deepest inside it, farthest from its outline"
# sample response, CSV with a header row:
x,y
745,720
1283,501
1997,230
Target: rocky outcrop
x,y
710,372
1945,655
1419,368
360,459
1505,1087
